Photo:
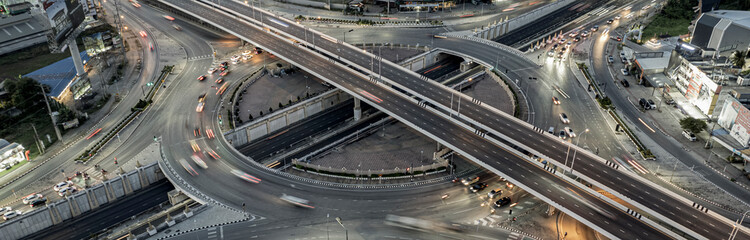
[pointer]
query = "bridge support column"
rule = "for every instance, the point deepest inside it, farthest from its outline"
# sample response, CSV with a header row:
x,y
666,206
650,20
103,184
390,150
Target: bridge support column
x,y
357,110
76,55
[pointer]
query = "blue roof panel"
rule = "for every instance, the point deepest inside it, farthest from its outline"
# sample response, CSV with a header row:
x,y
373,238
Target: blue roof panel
x,y
57,75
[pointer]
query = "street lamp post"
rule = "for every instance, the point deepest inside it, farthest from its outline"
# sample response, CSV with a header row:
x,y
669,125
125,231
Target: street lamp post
x,y
575,151
346,231
735,229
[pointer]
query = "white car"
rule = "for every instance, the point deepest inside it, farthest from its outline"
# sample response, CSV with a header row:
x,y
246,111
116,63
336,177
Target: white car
x,y
570,132
564,118
624,72
28,199
10,215
5,210
62,185
199,108
211,70
67,190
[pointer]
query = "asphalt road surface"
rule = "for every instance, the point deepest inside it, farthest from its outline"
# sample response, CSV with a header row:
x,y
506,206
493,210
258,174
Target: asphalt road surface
x,y
481,149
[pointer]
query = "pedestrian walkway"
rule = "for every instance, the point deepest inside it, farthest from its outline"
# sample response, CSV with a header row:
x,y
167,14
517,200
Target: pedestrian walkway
x,y
209,219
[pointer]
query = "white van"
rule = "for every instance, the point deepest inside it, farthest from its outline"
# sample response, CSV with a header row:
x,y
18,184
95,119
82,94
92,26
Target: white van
x,y
689,135
551,130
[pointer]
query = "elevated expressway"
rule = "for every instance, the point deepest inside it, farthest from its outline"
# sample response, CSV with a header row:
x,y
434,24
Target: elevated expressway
x,y
481,145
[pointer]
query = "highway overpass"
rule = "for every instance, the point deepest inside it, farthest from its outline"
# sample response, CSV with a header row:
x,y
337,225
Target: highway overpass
x,y
461,138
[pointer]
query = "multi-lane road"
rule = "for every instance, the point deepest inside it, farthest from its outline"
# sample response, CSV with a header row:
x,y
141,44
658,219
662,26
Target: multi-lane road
x,y
498,123
607,217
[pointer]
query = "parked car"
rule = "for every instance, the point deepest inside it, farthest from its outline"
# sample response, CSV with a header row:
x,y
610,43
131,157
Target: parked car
x,y
502,202
651,104
551,130
689,135
564,118
644,104
625,83
610,59
624,71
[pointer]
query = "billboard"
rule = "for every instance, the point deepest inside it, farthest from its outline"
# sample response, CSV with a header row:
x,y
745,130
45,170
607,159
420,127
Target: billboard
x,y
735,118
701,91
64,16
97,43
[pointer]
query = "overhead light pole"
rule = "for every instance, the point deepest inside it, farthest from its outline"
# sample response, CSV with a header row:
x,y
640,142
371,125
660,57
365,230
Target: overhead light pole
x,y
576,151
346,231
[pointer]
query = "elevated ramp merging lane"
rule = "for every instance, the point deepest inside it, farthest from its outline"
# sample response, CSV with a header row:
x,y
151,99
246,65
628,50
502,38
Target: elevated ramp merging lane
x,y
665,205
391,72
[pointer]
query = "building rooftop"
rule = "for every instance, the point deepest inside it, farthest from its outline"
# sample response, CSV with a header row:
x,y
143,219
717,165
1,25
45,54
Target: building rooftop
x,y
741,18
15,27
57,75
653,60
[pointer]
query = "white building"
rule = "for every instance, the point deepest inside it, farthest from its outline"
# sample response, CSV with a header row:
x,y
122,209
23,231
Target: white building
x,y
722,30
10,153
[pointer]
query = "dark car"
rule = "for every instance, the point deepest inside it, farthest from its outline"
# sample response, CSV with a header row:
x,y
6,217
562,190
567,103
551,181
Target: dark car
x,y
625,83
38,202
610,21
502,202
478,187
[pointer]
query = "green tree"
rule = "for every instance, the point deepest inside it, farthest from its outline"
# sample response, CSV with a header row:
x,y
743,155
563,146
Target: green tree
x,y
693,125
24,93
738,58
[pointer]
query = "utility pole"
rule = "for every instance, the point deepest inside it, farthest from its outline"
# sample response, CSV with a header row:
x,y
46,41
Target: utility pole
x,y
118,21
36,137
49,111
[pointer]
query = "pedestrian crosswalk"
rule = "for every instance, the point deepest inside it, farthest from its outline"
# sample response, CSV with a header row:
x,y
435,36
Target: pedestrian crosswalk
x,y
198,57
487,221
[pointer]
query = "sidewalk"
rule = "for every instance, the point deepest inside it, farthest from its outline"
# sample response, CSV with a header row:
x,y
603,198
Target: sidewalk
x,y
118,89
665,121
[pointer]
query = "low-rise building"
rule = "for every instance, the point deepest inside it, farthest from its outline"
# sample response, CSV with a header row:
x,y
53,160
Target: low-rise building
x,y
10,153
723,31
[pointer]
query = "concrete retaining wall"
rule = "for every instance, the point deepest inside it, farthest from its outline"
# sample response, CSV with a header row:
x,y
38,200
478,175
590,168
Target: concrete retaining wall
x,y
284,117
497,29
78,203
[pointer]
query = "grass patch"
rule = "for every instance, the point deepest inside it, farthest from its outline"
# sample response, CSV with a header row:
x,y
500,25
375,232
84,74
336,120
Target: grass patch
x,y
27,60
23,134
663,25
3,173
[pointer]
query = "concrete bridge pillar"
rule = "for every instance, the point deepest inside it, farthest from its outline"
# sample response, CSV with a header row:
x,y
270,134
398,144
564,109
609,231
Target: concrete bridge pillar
x,y
76,55
357,109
